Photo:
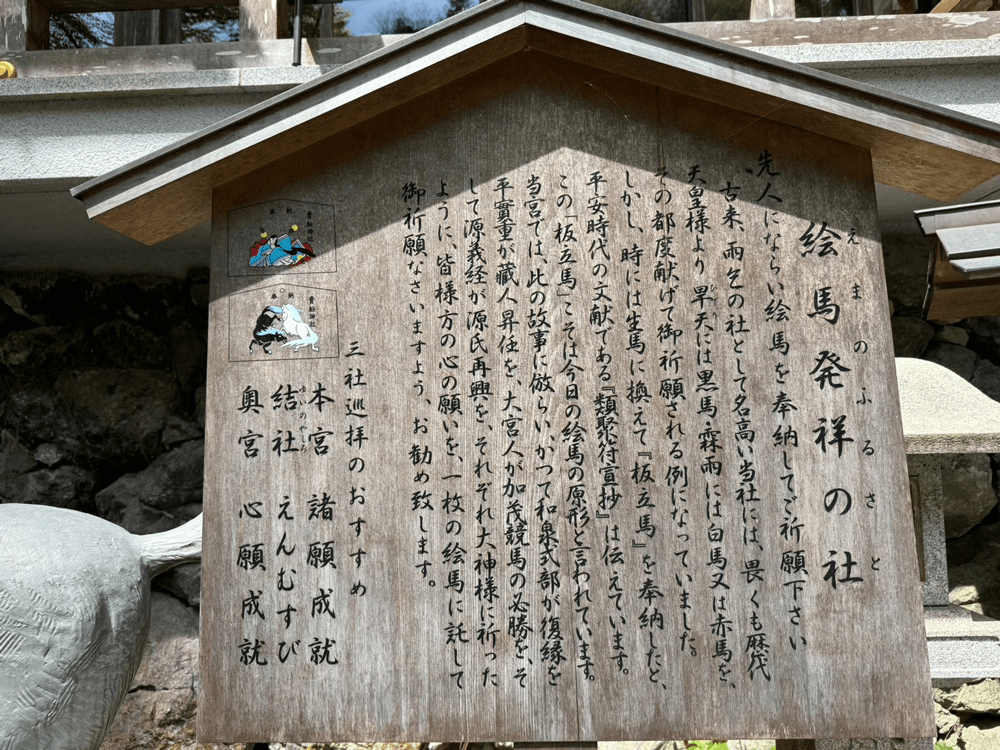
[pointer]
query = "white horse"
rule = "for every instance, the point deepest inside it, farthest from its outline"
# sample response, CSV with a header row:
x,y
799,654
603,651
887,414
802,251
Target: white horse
x,y
293,325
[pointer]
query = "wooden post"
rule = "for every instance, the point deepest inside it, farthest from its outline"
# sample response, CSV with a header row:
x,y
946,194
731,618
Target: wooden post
x,y
263,19
135,28
24,25
761,10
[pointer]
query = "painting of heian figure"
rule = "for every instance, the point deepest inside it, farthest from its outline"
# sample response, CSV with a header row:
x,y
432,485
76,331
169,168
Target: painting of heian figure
x,y
280,250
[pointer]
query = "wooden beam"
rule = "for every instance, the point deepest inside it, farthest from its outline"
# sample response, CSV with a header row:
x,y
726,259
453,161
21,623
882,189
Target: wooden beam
x,y
964,6
263,19
24,25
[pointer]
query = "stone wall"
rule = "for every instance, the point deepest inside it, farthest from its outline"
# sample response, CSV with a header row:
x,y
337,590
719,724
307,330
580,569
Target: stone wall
x,y
102,410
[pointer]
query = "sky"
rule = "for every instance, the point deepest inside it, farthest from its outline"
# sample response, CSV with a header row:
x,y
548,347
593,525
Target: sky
x,y
364,13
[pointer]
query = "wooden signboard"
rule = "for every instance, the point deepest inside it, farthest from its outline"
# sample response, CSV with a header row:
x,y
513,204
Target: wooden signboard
x,y
556,407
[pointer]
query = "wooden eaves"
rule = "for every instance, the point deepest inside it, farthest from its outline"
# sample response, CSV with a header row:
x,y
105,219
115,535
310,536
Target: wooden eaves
x,y
917,147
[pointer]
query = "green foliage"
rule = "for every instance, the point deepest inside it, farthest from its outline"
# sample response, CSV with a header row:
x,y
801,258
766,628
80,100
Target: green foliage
x,y
321,20
220,23
403,19
75,30
707,745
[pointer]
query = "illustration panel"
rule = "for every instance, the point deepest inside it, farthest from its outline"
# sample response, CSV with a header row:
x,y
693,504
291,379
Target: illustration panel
x,y
282,236
284,321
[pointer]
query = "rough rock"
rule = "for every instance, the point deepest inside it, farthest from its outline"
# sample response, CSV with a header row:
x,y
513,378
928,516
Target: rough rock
x,y
946,721
197,281
905,258
183,582
97,415
974,570
910,336
180,431
127,345
68,297
169,490
986,377
15,459
66,487
984,336
49,454
199,406
189,353
160,707
952,335
977,698
980,738
965,596
967,488
958,359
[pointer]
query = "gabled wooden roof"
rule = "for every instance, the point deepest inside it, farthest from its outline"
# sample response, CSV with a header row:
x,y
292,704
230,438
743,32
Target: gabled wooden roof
x,y
918,147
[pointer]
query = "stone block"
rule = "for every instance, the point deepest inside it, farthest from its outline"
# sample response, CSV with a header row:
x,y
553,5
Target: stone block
x,y
925,479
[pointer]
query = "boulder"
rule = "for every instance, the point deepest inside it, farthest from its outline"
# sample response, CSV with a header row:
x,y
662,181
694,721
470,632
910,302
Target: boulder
x,y
180,430
189,355
980,737
905,258
956,358
160,707
183,582
981,697
952,335
967,490
37,355
974,571
15,459
986,377
49,454
63,298
984,336
96,415
155,499
910,336
127,345
65,487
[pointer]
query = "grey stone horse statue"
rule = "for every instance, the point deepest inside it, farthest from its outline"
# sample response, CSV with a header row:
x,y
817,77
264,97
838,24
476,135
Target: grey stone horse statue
x,y
74,616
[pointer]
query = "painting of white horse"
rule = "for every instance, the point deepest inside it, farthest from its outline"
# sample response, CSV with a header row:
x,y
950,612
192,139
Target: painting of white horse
x,y
293,325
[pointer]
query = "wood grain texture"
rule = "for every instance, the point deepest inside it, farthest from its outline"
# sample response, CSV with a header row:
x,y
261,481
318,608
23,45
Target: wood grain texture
x,y
559,310
761,10
953,296
263,19
24,25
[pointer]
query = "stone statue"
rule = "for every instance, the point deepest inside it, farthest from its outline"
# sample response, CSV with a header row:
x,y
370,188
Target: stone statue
x,y
74,616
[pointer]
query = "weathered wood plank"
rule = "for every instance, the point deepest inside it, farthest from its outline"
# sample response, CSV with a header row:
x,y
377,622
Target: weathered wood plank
x,y
135,28
24,25
761,10
585,426
263,19
964,6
